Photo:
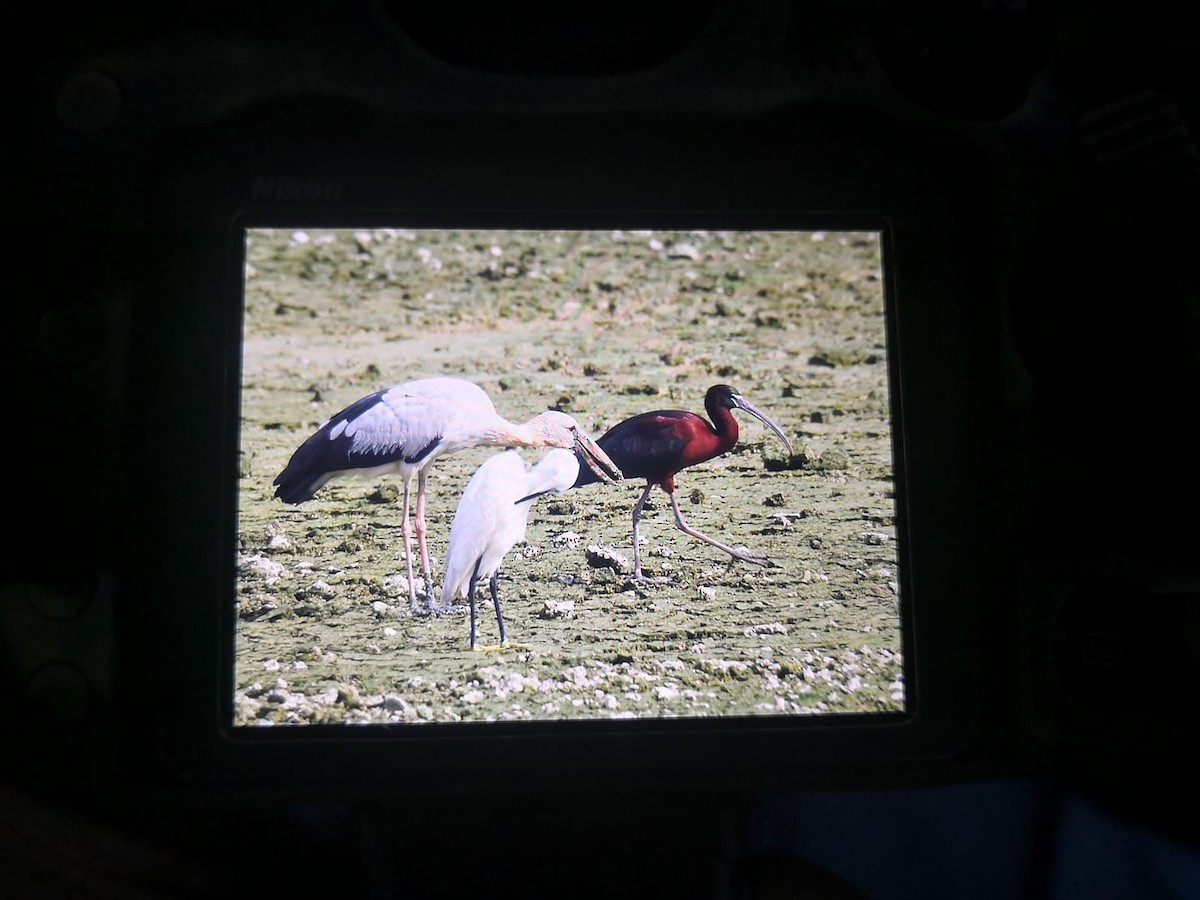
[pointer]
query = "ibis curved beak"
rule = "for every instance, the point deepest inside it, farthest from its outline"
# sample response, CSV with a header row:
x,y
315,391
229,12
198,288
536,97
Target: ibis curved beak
x,y
742,403
595,458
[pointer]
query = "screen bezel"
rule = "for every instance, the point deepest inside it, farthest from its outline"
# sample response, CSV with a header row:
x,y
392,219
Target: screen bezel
x,y
963,690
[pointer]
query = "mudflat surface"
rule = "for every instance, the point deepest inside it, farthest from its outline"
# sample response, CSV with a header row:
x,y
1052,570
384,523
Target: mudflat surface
x,y
602,325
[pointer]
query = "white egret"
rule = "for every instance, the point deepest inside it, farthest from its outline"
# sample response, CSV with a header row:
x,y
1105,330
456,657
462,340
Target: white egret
x,y
491,519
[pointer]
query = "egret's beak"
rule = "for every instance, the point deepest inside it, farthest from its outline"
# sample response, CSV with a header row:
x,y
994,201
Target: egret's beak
x,y
595,458
743,403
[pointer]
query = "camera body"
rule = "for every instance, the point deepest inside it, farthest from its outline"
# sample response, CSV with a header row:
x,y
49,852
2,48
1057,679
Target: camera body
x,y
1041,316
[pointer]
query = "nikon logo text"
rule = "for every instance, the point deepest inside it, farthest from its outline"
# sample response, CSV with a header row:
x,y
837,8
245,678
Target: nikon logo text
x,y
288,189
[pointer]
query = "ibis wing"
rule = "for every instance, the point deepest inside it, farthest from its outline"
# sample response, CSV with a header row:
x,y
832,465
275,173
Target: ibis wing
x,y
649,445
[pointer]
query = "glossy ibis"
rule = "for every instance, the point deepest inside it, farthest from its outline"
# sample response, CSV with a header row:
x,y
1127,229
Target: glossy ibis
x,y
657,445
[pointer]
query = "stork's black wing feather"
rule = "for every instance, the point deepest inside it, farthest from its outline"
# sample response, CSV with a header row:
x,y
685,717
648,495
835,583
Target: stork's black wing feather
x,y
336,447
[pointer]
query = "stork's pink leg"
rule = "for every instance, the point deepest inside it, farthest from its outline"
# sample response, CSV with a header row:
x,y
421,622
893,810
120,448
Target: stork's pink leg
x,y
421,537
406,532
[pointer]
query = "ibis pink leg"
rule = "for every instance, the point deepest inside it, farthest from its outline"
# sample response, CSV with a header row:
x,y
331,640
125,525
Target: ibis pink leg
x,y
743,554
637,517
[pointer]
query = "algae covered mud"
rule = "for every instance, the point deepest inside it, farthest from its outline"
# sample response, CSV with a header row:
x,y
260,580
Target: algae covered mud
x,y
602,325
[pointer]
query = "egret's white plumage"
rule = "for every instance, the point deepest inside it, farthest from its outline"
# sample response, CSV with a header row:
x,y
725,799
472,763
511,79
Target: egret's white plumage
x,y
404,429
491,519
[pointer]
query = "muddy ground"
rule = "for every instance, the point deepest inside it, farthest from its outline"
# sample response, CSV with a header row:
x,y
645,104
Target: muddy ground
x,y
604,326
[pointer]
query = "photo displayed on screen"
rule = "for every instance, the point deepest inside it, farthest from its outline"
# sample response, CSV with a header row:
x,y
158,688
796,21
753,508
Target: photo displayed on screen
x,y
493,382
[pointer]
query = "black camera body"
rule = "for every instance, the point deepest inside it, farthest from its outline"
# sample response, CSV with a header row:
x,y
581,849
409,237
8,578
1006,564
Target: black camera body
x,y
1035,211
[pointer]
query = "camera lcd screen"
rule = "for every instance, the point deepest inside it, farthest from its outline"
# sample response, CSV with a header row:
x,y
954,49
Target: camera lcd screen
x,y
781,599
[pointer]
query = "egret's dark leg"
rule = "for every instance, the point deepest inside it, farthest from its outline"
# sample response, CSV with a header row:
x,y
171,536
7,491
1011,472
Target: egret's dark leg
x,y
471,598
421,538
496,601
406,533
744,554
637,517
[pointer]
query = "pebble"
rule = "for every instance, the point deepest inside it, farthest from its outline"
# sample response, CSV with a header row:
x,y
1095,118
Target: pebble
x,y
394,703
683,251
557,609
320,589
398,584
566,539
725,667
261,565
769,628
578,675
600,557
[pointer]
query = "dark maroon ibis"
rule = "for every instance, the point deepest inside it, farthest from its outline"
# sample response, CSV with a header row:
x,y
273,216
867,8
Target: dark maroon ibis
x,y
657,445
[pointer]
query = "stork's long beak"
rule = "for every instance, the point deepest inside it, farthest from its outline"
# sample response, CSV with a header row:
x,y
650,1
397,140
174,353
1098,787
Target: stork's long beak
x,y
595,458
743,403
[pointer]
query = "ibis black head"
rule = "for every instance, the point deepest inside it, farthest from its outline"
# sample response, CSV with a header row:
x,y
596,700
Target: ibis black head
x,y
722,396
